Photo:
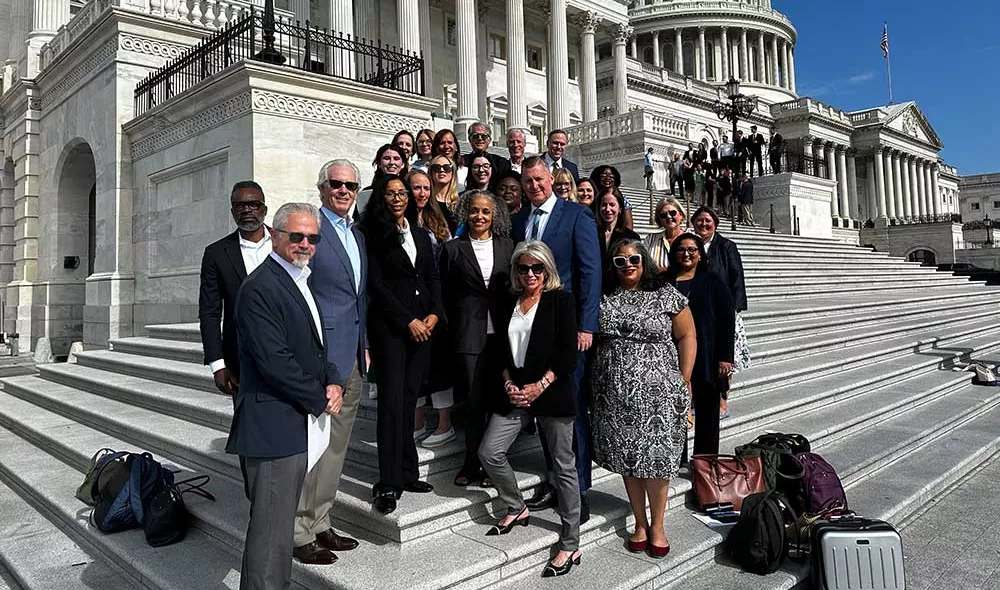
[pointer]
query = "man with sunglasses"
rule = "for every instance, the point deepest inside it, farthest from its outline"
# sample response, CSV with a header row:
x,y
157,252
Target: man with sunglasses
x,y
480,139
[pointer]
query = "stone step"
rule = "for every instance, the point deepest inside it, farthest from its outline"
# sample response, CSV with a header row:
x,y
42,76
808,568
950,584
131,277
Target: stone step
x,y
37,554
779,292
188,332
195,376
775,264
756,274
178,350
765,310
868,283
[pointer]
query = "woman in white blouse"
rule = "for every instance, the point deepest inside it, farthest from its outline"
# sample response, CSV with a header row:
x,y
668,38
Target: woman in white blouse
x,y
539,362
670,217
475,282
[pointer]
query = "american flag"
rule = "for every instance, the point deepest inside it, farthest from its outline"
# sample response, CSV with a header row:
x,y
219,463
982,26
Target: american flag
x,y
885,40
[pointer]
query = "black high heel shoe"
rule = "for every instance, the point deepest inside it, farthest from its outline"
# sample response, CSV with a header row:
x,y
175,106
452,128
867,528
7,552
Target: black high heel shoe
x,y
552,571
499,529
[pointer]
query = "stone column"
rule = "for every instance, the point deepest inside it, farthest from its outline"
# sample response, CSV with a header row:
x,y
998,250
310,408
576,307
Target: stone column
x,y
657,60
807,147
702,57
468,72
918,213
935,193
46,18
679,51
831,173
431,88
890,187
342,21
783,57
871,202
726,73
761,71
928,197
744,57
517,102
635,48
7,189
621,33
300,8
588,63
897,183
921,190
904,172
408,15
854,204
880,183
791,67
775,79
843,181
558,72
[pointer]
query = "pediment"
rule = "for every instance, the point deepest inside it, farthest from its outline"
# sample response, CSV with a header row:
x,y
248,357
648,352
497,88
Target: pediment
x,y
909,120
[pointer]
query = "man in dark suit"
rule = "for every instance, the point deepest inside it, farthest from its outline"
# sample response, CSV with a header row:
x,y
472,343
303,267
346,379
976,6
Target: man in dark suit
x,y
741,153
223,267
339,272
480,139
755,150
713,155
285,379
774,150
746,201
555,147
569,230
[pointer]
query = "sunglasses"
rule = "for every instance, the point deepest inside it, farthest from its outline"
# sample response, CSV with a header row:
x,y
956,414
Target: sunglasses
x,y
336,184
690,251
666,214
251,205
396,196
536,269
621,261
435,168
297,236
479,136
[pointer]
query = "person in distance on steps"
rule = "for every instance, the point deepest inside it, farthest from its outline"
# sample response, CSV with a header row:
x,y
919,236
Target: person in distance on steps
x,y
285,378
339,272
540,358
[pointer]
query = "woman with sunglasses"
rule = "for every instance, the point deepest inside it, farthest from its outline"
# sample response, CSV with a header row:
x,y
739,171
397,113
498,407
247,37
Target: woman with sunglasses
x,y
444,188
640,387
563,185
403,312
607,179
539,359
446,144
715,324
669,217
423,146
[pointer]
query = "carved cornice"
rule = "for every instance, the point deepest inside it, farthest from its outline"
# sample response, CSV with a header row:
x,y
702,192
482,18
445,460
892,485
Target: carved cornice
x,y
150,46
328,112
207,119
587,20
621,32
98,59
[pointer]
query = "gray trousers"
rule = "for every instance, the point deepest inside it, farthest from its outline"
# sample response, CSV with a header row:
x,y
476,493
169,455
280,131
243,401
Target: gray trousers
x,y
501,432
274,486
320,488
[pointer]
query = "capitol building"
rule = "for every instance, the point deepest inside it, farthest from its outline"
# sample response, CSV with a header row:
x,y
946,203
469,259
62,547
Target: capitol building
x,y
125,122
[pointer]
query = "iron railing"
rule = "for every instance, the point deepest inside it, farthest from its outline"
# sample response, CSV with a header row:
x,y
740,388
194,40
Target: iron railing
x,y
304,47
804,164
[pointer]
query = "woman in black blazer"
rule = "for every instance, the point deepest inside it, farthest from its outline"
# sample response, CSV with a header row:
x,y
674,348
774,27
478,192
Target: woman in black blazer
x,y
539,362
404,310
475,279
714,322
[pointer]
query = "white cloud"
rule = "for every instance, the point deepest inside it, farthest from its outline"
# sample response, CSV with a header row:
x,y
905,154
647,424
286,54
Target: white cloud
x,y
861,78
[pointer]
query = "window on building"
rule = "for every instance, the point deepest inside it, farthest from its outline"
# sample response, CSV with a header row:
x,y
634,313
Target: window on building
x,y
710,60
996,204
498,127
604,52
539,134
572,68
647,55
533,56
449,31
974,206
498,46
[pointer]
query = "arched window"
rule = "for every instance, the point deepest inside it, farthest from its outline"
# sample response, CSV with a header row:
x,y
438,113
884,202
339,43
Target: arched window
x,y
924,257
688,59
710,60
668,56
647,55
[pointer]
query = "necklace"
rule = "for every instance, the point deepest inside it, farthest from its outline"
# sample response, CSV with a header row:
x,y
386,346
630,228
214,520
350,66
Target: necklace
x,y
527,301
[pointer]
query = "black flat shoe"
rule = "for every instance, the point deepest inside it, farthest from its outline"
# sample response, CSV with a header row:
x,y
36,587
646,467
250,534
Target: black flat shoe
x,y
552,571
384,502
499,529
544,498
418,487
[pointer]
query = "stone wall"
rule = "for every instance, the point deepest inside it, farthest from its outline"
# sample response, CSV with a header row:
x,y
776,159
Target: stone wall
x,y
796,197
942,238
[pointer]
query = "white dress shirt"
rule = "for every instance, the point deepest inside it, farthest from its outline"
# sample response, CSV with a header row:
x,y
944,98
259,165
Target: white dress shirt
x,y
483,250
519,332
547,207
409,246
253,254
300,276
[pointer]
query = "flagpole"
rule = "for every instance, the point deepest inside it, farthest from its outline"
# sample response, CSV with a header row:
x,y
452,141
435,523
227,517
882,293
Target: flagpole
x,y
888,62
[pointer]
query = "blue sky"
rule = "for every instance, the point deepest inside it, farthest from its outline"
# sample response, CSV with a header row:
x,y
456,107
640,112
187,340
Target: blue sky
x,y
945,56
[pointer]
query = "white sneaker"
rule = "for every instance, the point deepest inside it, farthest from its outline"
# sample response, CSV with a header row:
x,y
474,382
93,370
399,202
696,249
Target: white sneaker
x,y
419,435
439,439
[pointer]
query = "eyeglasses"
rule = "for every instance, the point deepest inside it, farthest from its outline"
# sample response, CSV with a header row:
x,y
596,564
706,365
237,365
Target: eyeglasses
x,y
336,184
479,136
666,214
396,196
435,168
620,261
297,236
561,185
481,166
690,251
251,205
425,142
536,269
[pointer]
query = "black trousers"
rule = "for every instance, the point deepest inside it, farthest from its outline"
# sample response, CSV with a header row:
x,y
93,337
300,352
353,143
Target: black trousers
x,y
679,181
760,164
705,400
776,163
401,366
478,376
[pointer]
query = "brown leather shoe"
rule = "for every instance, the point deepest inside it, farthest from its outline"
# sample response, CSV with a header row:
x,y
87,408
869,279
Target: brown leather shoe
x,y
314,554
334,542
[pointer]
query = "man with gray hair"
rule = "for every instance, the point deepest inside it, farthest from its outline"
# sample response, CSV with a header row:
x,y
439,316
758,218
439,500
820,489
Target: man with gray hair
x,y
481,139
286,382
515,148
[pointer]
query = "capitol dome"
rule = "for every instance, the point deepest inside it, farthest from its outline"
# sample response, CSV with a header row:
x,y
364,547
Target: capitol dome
x,y
711,40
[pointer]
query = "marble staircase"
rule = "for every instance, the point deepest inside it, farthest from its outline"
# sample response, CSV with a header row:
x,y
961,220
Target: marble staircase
x,y
854,349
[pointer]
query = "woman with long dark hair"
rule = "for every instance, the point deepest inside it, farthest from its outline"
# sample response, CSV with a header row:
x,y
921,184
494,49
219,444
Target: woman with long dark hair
x,y
389,161
405,142
404,311
607,179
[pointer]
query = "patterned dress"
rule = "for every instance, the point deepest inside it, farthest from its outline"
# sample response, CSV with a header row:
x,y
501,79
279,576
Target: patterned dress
x,y
640,401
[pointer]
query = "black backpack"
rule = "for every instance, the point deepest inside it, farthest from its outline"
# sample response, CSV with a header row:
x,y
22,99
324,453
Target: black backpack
x,y
782,472
757,542
122,489
167,518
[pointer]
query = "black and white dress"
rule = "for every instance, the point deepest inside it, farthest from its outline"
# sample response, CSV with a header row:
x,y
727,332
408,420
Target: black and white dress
x,y
640,401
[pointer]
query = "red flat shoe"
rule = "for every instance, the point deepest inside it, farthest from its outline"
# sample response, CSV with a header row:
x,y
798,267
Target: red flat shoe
x,y
636,546
658,552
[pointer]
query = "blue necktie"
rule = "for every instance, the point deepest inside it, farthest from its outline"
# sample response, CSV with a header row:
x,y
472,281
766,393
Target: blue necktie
x,y
536,218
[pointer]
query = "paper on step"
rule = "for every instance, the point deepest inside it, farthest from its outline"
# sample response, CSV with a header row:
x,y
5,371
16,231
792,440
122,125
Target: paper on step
x,y
318,430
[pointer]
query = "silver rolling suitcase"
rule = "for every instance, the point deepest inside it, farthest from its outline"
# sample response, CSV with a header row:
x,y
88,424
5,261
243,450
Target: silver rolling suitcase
x,y
856,554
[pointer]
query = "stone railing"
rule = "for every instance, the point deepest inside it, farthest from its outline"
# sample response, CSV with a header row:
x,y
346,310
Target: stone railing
x,y
867,117
638,120
208,14
701,6
806,104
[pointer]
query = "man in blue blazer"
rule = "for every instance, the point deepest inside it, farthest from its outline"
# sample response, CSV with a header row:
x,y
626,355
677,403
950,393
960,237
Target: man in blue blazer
x,y
339,273
284,378
569,230
555,149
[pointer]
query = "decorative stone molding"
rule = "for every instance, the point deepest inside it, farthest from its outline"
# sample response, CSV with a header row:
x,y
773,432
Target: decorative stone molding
x,y
588,21
621,32
102,56
316,110
211,117
150,46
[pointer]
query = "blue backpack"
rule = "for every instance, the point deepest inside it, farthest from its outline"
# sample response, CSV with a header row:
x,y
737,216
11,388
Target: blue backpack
x,y
126,489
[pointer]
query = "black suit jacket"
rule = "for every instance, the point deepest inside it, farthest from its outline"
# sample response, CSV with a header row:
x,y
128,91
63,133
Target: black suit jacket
x,y
715,325
400,291
551,347
724,258
283,366
746,192
756,144
222,273
467,300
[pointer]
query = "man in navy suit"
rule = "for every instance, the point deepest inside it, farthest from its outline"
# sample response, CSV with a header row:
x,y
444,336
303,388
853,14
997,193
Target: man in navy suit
x,y
569,230
555,147
339,272
285,377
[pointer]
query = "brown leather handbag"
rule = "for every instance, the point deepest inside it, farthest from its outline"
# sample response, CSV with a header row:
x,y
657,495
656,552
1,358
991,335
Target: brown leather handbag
x,y
725,478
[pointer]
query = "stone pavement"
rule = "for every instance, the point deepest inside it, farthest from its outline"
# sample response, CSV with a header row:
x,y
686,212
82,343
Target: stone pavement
x,y
955,541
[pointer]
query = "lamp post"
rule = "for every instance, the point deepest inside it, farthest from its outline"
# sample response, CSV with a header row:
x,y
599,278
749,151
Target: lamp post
x,y
739,107
989,230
